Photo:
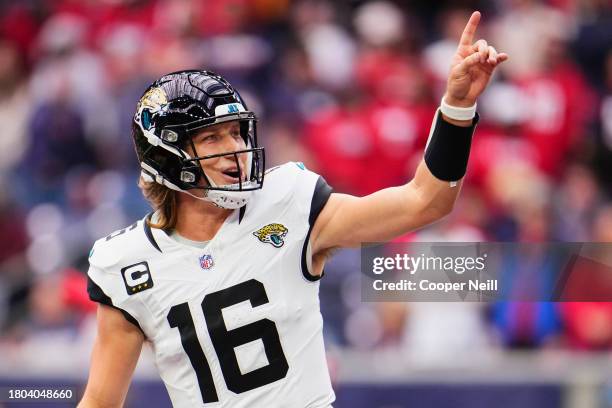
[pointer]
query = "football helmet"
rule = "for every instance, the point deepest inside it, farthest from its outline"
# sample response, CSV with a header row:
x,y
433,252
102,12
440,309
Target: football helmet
x,y
171,111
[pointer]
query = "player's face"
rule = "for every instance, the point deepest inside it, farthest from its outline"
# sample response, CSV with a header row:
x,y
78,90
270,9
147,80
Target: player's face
x,y
221,138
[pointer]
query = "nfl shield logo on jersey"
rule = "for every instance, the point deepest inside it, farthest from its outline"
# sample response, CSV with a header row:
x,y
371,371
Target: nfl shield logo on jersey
x,y
206,261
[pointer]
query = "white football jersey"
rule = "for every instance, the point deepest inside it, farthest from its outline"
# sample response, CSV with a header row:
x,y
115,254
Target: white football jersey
x,y
236,324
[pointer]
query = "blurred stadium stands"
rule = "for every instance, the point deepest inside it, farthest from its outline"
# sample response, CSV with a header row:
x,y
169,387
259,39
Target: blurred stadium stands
x,y
349,88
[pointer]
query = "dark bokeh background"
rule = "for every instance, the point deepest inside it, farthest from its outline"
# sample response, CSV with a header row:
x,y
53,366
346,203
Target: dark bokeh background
x,y
347,87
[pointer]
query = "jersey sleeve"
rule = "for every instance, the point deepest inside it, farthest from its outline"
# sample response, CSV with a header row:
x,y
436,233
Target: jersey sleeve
x,y
311,193
104,283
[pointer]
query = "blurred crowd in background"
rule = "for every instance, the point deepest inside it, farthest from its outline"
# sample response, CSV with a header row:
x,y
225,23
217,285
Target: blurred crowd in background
x,y
347,87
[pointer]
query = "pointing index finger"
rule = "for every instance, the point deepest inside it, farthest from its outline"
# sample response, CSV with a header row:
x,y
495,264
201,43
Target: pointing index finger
x,y
470,29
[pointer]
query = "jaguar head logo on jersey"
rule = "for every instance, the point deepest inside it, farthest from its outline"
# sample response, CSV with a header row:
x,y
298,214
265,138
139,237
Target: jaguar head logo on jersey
x,y
206,261
137,278
272,234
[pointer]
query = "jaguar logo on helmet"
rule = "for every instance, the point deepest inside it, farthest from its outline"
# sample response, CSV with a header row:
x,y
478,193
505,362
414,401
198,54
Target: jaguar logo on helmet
x,y
153,99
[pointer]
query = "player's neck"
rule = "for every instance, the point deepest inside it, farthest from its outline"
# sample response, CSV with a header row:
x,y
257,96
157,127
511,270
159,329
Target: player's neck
x,y
199,220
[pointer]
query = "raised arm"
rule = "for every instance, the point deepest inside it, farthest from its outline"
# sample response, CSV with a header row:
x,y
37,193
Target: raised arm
x,y
348,221
114,357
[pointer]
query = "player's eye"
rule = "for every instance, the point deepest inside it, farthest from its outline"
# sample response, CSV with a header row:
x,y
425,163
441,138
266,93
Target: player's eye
x,y
210,138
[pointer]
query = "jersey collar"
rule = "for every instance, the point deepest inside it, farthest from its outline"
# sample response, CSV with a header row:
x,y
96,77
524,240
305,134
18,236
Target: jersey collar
x,y
163,243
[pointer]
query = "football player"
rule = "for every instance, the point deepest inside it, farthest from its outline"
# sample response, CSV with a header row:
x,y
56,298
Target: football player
x,y
222,279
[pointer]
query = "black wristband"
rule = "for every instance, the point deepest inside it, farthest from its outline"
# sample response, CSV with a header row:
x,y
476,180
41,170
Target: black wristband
x,y
448,149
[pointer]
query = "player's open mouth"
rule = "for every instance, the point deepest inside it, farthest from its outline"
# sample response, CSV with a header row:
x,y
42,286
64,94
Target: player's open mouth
x,y
231,175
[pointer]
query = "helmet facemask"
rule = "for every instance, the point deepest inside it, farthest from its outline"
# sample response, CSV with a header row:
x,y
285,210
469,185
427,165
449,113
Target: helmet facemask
x,y
175,138
249,175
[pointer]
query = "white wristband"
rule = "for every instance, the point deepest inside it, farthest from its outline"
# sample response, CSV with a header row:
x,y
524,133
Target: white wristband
x,y
456,113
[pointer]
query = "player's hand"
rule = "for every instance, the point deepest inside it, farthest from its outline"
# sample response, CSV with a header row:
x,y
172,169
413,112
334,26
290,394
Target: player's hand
x,y
471,67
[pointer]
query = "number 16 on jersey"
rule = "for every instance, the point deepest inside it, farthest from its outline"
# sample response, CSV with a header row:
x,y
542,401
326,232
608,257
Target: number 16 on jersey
x,y
225,341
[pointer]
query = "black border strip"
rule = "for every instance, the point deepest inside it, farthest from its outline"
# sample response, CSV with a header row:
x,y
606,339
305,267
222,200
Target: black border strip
x,y
96,294
241,213
322,192
149,233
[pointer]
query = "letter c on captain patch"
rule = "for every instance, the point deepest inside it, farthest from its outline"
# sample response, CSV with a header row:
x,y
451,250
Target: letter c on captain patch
x,y
137,278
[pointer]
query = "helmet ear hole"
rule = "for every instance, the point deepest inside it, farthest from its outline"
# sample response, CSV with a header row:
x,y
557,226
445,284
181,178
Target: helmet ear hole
x,y
169,136
188,177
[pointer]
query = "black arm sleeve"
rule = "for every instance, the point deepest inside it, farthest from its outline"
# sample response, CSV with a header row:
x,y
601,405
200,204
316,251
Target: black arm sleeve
x,y
448,149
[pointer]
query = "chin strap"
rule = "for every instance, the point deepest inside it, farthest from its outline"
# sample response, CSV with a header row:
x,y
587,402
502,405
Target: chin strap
x,y
230,200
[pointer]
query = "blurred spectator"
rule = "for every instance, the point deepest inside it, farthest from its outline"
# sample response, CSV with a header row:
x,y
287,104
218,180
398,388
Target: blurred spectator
x,y
14,104
603,142
524,29
57,145
593,39
13,232
124,58
294,95
344,148
588,325
559,102
14,271
500,142
526,325
602,225
574,204
330,49
436,333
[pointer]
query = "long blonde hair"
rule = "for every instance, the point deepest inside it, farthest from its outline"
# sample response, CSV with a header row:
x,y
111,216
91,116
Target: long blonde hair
x,y
163,200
